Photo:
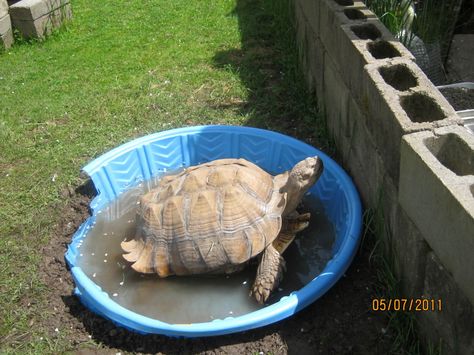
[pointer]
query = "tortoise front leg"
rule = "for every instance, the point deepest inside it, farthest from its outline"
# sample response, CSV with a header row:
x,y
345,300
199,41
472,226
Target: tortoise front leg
x,y
292,224
269,274
272,265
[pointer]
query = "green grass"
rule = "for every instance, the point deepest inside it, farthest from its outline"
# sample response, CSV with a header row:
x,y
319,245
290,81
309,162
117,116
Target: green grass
x,y
121,70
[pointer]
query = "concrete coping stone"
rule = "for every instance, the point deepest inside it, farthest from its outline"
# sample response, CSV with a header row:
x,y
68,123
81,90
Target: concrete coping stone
x,y
3,8
5,24
6,39
31,10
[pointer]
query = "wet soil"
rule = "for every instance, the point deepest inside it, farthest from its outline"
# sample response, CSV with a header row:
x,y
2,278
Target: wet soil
x,y
341,322
459,98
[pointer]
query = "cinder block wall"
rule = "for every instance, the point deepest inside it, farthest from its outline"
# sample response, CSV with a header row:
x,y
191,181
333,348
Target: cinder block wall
x,y
407,152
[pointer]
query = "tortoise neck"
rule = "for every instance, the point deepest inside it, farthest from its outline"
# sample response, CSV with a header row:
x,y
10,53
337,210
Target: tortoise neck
x,y
294,191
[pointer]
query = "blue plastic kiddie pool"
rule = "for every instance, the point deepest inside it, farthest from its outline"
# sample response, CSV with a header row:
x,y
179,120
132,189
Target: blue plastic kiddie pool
x,y
143,158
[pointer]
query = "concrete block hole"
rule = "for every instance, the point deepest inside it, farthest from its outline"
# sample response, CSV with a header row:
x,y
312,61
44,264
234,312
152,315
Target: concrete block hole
x,y
454,153
399,77
366,31
382,49
354,14
421,108
472,190
345,2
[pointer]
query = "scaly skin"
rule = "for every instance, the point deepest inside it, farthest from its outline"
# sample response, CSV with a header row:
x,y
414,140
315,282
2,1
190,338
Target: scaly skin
x,y
271,268
269,274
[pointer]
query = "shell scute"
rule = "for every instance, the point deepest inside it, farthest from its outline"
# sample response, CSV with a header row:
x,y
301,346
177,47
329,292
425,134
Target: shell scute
x,y
239,209
224,175
237,246
256,183
202,214
173,219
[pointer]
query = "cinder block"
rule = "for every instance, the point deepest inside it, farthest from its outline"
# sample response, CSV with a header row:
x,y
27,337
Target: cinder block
x,y
452,327
360,154
331,18
336,97
437,192
37,18
301,31
392,113
358,11
311,51
410,249
353,50
310,12
315,51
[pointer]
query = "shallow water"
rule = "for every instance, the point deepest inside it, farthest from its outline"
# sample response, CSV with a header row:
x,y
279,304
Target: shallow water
x,y
193,299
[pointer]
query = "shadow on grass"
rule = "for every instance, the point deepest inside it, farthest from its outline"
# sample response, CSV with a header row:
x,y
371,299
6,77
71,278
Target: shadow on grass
x,y
267,65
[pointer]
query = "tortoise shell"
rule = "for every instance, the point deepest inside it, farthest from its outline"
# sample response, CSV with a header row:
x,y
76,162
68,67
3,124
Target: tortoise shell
x,y
208,218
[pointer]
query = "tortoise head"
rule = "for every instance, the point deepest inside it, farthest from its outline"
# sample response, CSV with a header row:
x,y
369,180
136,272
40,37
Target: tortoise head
x,y
300,179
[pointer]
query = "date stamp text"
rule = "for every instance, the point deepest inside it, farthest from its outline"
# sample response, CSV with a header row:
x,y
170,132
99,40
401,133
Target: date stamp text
x,y
407,304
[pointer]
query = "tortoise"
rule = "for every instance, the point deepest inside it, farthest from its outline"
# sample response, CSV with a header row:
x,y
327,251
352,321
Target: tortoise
x,y
215,217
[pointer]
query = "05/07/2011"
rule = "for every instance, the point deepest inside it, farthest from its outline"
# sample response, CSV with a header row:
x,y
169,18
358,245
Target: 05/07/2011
x,y
407,304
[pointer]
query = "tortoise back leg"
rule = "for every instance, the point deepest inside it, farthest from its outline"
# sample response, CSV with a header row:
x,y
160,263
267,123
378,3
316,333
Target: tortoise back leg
x,y
269,274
